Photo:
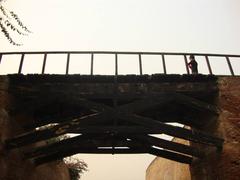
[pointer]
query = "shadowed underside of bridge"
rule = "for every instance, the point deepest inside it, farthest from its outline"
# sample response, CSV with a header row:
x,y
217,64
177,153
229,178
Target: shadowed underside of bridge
x,y
113,115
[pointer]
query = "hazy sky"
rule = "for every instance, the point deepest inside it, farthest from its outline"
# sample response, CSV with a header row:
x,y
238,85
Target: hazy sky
x,y
148,25
207,26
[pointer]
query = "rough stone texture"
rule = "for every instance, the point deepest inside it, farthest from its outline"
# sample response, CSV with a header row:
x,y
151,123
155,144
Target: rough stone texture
x,y
42,86
12,165
164,169
218,165
65,91
224,165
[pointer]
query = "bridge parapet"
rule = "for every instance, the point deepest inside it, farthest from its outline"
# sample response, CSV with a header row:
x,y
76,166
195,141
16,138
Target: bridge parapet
x,y
116,59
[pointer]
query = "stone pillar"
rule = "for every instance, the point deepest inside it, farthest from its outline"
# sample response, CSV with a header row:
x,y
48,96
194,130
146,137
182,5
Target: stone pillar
x,y
219,164
4,126
224,165
12,164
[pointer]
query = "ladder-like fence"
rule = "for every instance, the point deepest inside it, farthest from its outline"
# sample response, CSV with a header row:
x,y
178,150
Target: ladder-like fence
x,y
162,56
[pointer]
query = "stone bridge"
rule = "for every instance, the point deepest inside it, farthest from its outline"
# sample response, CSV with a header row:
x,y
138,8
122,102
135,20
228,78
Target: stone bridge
x,y
120,114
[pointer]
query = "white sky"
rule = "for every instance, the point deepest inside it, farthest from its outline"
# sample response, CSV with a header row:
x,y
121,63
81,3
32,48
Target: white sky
x,y
203,26
127,25
133,25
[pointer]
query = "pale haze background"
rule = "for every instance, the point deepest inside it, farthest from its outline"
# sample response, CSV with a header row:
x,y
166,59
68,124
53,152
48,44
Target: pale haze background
x,y
203,26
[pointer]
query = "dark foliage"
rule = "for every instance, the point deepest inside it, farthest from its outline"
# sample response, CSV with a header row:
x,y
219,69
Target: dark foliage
x,y
11,23
76,167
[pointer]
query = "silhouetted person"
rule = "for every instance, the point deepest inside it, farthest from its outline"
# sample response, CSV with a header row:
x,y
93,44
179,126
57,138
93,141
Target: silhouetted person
x,y
193,65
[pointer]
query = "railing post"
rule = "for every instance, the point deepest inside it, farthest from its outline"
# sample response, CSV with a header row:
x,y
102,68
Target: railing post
x,y
186,64
208,65
92,58
44,63
21,64
230,66
67,65
140,64
116,64
164,64
0,58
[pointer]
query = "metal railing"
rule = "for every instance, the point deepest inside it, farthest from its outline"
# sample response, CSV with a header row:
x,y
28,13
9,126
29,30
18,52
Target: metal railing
x,y
162,56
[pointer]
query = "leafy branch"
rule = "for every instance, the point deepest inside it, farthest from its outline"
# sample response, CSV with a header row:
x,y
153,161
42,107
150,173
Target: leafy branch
x,y
5,32
6,24
3,11
76,167
19,21
13,28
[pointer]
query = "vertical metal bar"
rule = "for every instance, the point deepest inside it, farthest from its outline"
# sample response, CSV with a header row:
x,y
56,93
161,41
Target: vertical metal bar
x,y
186,64
116,64
44,63
21,64
208,65
164,64
0,58
92,58
115,99
67,65
229,65
140,64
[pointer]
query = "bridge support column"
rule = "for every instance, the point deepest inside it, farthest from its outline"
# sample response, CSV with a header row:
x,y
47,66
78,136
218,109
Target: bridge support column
x,y
224,165
12,164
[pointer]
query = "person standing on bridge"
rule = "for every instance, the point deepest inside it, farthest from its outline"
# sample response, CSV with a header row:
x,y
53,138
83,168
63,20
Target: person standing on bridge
x,y
193,65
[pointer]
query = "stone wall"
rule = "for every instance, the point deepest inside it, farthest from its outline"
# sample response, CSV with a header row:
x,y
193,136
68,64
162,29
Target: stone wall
x,y
224,165
229,101
12,164
219,164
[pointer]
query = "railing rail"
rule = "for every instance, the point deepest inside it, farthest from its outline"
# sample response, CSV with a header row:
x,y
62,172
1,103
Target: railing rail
x,y
117,53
